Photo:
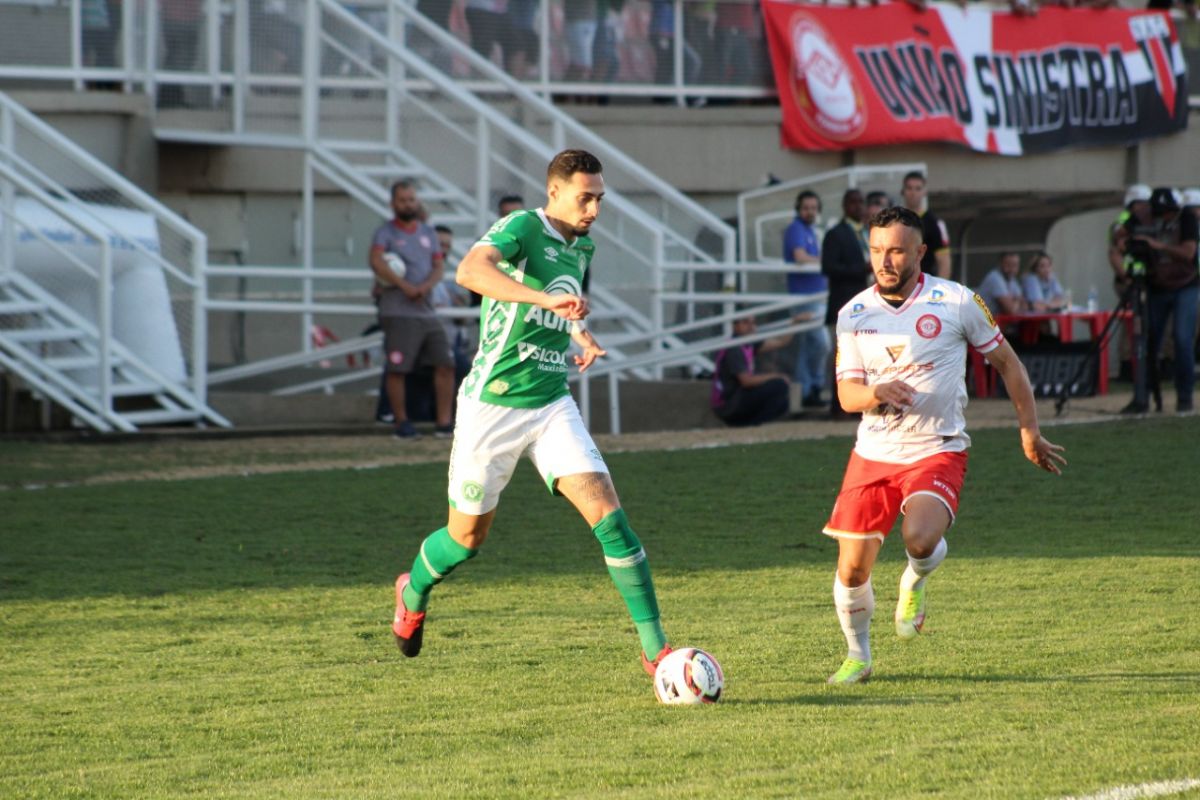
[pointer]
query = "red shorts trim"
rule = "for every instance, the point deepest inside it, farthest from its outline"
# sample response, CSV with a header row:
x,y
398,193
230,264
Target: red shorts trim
x,y
874,493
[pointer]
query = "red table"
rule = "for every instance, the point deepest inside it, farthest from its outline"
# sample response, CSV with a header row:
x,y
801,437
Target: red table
x,y
1029,325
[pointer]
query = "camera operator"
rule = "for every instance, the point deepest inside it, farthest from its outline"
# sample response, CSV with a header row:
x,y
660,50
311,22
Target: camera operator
x,y
1165,248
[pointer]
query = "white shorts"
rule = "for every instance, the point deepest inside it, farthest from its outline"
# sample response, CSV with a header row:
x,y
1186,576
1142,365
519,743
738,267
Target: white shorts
x,y
489,440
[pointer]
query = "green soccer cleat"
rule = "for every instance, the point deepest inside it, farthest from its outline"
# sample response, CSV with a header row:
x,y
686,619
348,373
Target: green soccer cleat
x,y
910,613
851,671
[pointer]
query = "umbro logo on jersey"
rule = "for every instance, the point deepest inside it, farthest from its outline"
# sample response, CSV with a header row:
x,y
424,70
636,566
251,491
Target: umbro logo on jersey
x,y
551,254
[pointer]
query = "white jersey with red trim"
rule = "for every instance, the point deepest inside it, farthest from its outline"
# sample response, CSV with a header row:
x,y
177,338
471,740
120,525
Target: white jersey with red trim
x,y
924,343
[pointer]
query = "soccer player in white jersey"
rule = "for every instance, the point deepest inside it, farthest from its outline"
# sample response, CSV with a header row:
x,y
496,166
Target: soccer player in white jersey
x,y
529,268
900,361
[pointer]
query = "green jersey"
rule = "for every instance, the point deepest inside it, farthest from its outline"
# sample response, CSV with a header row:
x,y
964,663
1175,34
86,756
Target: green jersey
x,y
522,356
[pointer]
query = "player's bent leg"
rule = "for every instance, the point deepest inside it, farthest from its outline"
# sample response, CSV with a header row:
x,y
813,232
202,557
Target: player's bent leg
x,y
926,519
630,573
440,553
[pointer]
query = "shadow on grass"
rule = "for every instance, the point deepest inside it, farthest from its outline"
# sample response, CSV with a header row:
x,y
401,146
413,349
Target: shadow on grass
x,y
839,697
1188,678
736,508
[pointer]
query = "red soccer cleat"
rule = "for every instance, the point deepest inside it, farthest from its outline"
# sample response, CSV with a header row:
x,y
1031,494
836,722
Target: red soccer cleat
x,y
651,666
407,626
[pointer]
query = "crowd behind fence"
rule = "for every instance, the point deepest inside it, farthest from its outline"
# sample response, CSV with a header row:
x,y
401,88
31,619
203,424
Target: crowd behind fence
x,y
596,51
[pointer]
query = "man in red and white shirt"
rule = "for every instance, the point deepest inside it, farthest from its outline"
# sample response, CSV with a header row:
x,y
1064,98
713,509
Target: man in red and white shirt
x,y
901,349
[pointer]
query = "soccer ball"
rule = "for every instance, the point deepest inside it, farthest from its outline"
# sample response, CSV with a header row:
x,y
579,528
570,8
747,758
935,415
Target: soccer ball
x,y
396,263
688,676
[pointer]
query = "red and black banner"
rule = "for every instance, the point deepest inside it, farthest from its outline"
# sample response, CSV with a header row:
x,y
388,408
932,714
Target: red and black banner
x,y
988,79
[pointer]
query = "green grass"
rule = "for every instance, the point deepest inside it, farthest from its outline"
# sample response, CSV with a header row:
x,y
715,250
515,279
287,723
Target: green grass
x,y
229,637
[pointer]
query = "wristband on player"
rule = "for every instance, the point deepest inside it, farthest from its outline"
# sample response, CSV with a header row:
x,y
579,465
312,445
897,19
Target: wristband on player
x,y
578,326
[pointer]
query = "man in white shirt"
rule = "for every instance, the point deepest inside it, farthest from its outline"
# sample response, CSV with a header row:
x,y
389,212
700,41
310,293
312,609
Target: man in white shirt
x,y
901,349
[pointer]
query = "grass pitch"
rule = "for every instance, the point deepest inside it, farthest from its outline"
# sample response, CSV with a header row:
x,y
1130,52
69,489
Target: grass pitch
x,y
229,637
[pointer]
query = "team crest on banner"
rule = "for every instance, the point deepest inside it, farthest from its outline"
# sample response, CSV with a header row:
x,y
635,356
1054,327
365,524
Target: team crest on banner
x,y
822,82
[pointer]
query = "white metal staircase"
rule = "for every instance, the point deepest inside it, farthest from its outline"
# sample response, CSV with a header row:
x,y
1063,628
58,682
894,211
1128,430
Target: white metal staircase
x,y
57,353
65,220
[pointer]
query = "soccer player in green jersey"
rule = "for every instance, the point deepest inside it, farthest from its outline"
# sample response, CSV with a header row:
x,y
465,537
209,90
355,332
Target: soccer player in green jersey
x,y
529,268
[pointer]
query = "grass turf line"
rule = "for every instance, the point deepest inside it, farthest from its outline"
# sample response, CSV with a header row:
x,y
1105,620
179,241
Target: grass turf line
x,y
229,637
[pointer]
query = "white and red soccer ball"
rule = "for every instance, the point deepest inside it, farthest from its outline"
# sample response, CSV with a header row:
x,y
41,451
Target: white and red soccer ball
x,y
688,676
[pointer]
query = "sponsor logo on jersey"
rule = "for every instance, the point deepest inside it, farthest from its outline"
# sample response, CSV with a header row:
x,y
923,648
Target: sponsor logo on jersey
x,y
945,487
856,309
894,351
472,491
556,360
987,312
929,326
547,319
498,386
900,370
865,332
936,298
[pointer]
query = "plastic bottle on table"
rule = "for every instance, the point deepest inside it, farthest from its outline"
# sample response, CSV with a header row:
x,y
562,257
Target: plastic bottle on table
x,y
1093,300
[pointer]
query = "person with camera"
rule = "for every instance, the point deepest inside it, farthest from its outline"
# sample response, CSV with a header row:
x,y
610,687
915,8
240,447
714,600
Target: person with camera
x,y
1164,247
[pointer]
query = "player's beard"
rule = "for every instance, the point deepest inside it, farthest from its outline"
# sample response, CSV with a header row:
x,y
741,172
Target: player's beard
x,y
580,229
406,216
903,278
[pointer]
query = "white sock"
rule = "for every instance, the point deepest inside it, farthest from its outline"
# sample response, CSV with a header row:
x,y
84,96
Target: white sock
x,y
854,609
918,569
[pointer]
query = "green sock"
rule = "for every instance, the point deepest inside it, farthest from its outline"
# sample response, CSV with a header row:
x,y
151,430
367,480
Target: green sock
x,y
439,555
627,565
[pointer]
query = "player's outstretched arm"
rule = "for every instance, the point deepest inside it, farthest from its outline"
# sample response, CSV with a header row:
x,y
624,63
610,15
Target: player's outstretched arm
x,y
480,272
1043,453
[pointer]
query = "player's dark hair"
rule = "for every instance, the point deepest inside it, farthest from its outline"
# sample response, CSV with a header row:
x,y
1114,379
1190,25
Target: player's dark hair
x,y
510,198
914,175
443,229
568,162
403,183
800,198
878,197
897,215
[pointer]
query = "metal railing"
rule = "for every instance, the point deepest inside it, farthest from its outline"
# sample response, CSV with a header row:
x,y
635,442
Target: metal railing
x,y
81,231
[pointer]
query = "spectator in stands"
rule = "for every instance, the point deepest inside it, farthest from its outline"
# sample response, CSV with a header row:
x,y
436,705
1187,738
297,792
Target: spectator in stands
x,y
739,36
741,396
1191,201
1042,290
448,294
412,334
579,17
1173,280
98,36
801,247
663,39
913,194
876,202
845,264
489,24
605,56
504,206
523,45
1001,288
181,34
508,204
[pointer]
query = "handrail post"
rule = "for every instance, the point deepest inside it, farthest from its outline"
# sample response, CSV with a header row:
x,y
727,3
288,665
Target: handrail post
x,y
306,249
483,146
8,195
104,309
199,259
212,9
241,63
